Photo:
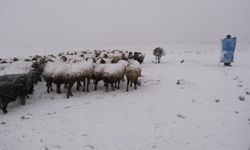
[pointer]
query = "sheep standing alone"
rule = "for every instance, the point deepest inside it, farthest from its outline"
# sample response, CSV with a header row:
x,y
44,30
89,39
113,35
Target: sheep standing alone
x,y
133,71
158,53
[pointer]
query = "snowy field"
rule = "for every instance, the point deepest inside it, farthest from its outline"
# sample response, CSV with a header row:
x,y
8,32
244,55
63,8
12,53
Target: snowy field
x,y
208,110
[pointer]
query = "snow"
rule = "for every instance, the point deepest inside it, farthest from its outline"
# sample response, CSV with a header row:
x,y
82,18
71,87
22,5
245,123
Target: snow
x,y
15,68
203,111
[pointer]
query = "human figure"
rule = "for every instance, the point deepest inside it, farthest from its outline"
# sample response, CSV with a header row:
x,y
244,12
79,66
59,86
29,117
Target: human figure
x,y
228,48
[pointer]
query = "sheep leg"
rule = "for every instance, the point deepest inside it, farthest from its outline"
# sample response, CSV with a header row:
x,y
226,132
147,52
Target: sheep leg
x,y
127,85
88,81
48,90
58,85
5,108
118,84
106,86
135,84
70,87
84,83
78,85
69,93
159,59
112,85
96,83
1,107
48,87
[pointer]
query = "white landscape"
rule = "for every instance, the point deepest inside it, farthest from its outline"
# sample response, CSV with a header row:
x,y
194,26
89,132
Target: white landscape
x,y
189,101
204,111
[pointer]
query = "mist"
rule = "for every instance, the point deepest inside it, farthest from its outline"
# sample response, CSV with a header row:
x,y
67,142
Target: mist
x,y
79,23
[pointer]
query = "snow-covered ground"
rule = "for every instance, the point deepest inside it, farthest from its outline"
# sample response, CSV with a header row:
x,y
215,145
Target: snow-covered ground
x,y
202,112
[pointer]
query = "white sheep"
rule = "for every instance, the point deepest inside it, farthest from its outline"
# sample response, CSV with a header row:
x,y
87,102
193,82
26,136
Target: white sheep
x,y
97,73
86,69
114,73
67,73
109,73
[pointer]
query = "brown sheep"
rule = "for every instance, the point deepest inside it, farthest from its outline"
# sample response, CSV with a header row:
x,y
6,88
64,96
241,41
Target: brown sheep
x,y
132,77
133,71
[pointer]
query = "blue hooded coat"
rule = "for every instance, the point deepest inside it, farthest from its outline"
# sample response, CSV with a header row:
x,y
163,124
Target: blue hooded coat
x,y
228,47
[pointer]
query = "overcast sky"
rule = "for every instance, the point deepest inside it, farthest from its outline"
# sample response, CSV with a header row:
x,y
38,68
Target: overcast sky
x,y
77,23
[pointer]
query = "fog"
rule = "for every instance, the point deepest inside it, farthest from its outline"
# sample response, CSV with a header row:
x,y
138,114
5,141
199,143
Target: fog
x,y
78,23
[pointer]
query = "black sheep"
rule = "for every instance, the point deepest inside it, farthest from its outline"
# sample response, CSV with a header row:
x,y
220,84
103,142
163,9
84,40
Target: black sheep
x,y
139,57
10,91
32,77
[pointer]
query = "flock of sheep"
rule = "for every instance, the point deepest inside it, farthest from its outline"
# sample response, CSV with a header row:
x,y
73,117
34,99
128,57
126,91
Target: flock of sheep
x,y
108,66
80,68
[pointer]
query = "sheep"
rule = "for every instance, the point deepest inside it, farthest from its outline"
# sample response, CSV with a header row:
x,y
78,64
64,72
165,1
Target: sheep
x,y
97,73
15,59
49,69
32,77
115,59
109,73
54,72
13,77
10,91
67,73
86,71
158,53
114,73
139,57
133,71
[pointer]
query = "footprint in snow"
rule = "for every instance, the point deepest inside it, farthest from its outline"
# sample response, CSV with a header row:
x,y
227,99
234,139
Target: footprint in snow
x,y
51,113
181,116
24,118
240,85
88,147
67,107
217,100
236,78
242,98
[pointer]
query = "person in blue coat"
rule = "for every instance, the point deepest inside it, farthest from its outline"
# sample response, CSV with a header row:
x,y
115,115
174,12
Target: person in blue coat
x,y
228,48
